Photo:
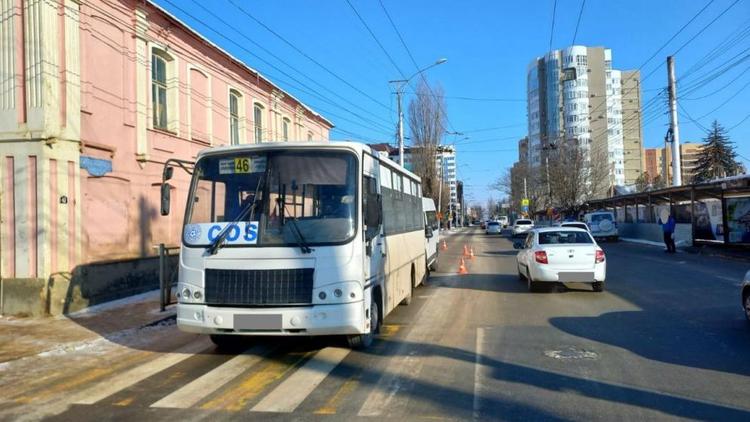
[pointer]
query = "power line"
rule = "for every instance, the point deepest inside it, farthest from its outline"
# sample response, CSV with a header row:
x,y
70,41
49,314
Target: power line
x,y
580,13
716,91
307,56
242,47
685,112
725,102
739,123
487,129
374,37
414,62
706,27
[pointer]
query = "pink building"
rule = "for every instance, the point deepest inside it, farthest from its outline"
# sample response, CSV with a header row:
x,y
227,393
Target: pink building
x,y
94,96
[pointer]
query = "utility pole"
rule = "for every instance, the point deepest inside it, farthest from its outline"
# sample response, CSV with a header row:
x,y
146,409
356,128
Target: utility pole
x,y
525,194
400,128
673,125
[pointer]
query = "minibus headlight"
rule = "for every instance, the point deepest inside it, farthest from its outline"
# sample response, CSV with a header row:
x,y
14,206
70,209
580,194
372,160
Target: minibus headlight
x,y
186,293
337,293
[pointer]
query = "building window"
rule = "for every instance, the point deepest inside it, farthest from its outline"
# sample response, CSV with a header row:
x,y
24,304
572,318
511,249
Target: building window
x,y
235,99
159,90
285,129
309,136
258,121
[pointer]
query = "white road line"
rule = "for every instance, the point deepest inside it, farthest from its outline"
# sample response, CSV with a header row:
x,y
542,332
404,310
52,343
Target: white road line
x,y
211,381
478,353
293,391
126,379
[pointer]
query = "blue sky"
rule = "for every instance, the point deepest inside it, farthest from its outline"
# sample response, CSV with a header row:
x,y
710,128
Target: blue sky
x,y
488,45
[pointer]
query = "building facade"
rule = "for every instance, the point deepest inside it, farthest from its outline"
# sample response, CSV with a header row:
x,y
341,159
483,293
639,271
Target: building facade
x,y
95,97
658,162
573,94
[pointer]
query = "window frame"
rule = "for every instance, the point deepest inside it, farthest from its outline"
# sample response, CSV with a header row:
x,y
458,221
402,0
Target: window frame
x,y
258,109
237,117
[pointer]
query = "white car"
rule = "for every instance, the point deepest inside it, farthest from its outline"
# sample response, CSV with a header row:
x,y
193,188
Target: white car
x,y
558,255
521,226
431,233
493,227
575,224
602,225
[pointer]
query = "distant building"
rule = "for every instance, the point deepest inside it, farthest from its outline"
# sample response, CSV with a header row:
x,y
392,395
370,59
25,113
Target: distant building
x,y
574,94
657,162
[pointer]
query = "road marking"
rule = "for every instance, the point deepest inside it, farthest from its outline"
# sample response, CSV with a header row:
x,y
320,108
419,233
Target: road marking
x,y
333,403
478,353
236,398
211,381
293,390
126,379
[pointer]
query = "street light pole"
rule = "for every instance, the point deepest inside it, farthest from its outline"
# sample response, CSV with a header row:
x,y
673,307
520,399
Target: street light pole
x,y
400,86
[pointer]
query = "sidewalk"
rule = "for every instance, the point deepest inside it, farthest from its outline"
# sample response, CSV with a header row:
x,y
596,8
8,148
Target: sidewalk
x,y
25,337
704,250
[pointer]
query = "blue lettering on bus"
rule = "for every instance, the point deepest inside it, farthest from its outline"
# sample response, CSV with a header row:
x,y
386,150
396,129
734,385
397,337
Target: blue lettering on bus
x,y
234,233
213,232
251,232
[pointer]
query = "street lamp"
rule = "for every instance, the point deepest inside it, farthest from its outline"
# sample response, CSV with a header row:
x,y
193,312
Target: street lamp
x,y
400,85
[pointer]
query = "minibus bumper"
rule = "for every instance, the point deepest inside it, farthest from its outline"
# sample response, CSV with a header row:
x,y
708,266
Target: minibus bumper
x,y
338,319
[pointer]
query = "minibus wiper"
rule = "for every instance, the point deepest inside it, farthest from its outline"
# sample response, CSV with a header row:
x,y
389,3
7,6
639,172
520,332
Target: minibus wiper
x,y
249,208
217,243
301,242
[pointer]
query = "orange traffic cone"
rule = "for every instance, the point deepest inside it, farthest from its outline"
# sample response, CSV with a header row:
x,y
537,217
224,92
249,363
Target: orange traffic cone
x,y
444,246
466,251
471,253
462,268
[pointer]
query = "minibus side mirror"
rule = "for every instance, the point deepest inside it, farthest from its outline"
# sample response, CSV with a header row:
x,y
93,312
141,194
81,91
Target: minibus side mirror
x,y
373,216
428,232
165,191
168,172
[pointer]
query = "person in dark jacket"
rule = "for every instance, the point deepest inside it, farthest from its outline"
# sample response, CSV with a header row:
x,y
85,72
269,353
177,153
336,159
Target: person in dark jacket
x,y
667,225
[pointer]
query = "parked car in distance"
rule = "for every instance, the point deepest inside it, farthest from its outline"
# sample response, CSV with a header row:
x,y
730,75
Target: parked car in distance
x,y
575,224
521,226
493,227
602,225
432,233
503,220
483,224
557,254
746,295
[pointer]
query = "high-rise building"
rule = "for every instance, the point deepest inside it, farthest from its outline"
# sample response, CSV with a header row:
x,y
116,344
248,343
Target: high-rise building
x,y
632,131
573,94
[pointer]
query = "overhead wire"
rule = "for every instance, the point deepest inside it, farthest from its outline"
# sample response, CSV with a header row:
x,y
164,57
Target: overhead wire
x,y
578,22
375,38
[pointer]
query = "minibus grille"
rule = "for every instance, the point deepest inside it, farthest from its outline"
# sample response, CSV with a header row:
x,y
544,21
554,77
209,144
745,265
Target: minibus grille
x,y
259,287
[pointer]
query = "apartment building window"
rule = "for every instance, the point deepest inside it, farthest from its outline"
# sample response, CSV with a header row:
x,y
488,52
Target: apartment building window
x,y
285,129
258,122
159,90
234,116
309,136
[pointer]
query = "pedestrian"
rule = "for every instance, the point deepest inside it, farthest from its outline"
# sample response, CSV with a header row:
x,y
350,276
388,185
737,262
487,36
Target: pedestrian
x,y
667,225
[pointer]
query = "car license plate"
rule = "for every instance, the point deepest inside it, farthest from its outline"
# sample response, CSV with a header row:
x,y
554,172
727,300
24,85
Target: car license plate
x,y
575,276
257,322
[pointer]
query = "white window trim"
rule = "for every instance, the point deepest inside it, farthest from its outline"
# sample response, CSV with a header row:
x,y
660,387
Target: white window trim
x,y
263,121
173,89
209,102
241,115
289,128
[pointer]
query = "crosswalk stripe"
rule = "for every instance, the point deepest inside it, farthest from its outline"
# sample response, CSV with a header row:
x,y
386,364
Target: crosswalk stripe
x,y
211,381
126,379
292,391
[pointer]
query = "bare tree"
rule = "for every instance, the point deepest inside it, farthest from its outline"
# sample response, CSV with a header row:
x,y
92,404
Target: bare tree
x,y
427,125
577,176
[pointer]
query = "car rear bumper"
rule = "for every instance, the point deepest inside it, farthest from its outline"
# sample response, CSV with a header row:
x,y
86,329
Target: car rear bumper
x,y
552,275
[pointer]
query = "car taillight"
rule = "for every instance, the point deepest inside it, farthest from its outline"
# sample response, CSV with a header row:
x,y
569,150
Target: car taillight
x,y
599,256
540,257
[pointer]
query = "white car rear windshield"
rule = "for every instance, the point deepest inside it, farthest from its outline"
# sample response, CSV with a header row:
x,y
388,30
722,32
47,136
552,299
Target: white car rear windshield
x,y
525,222
493,223
564,237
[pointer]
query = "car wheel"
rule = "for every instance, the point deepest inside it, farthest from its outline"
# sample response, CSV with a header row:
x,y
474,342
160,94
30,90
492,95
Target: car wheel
x,y
363,341
598,286
531,284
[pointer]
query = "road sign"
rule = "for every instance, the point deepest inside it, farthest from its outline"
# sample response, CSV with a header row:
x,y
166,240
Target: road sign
x,y
525,202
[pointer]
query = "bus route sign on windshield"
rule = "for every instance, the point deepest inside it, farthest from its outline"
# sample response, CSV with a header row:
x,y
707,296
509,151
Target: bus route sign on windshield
x,y
241,165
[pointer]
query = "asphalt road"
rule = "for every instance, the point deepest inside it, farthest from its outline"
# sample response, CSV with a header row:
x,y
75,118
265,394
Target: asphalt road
x,y
666,339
